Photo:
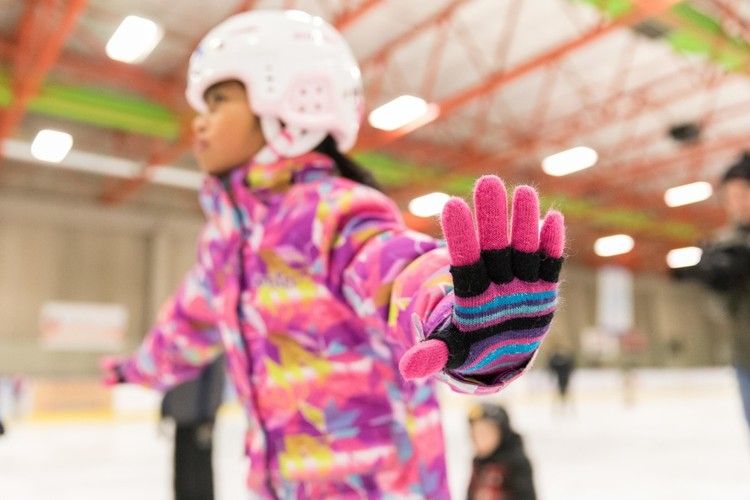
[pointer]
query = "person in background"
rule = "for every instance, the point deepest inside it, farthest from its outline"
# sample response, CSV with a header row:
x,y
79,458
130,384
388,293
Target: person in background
x,y
192,406
3,406
501,469
562,364
725,268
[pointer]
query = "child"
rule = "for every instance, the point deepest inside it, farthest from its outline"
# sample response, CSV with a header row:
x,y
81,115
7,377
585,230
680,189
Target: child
x,y
501,469
315,289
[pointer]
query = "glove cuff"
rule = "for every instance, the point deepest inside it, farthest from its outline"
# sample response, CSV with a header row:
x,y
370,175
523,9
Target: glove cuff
x,y
457,342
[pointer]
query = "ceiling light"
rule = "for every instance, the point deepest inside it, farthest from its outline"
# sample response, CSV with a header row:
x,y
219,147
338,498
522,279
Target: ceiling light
x,y
134,39
610,246
689,193
684,257
400,112
569,161
51,145
428,205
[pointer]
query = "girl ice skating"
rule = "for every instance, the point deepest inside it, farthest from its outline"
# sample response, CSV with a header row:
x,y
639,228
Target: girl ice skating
x,y
335,318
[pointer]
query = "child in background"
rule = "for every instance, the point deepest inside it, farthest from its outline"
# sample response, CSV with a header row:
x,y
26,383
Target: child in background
x,y
501,469
335,318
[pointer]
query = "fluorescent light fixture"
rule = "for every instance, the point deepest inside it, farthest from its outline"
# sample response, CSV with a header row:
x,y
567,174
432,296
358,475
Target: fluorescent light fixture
x,y
51,145
610,246
570,161
428,205
687,194
177,177
400,112
134,39
684,257
93,163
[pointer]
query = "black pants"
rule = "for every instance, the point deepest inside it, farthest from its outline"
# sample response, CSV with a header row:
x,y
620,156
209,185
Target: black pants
x,y
193,473
562,385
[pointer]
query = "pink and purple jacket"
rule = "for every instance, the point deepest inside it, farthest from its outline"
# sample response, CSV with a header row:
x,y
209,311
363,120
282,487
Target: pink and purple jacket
x,y
314,288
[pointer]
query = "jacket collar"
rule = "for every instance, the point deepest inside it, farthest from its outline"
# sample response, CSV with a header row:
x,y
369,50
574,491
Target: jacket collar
x,y
279,175
264,179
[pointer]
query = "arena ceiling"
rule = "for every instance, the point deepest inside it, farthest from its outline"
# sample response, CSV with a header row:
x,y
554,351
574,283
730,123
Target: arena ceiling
x,y
513,82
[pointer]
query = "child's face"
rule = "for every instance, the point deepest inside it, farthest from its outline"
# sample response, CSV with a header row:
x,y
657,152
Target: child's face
x,y
228,134
486,437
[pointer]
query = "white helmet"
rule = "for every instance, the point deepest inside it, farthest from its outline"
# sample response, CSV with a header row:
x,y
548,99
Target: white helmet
x,y
301,77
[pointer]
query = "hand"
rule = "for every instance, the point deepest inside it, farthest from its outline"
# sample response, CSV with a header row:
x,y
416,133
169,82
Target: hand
x,y
505,291
111,373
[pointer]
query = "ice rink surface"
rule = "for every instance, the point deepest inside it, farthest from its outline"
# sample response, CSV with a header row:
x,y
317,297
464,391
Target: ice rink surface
x,y
681,436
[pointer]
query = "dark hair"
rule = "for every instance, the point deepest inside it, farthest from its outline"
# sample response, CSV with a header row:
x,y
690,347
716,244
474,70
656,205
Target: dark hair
x,y
346,166
738,170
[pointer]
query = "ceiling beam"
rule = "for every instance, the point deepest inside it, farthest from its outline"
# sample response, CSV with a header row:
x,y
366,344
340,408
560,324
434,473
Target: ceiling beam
x,y
720,45
470,163
114,73
502,77
629,173
350,16
617,110
731,12
413,32
245,5
31,68
120,191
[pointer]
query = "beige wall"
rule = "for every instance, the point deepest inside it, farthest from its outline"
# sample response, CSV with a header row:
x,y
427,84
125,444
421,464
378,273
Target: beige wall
x,y
67,250
70,251
665,312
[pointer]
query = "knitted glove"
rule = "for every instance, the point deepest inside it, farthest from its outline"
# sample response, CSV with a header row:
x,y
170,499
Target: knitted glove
x,y
111,372
505,293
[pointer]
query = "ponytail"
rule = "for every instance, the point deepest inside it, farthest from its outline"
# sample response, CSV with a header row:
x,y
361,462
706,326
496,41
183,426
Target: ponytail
x,y
347,167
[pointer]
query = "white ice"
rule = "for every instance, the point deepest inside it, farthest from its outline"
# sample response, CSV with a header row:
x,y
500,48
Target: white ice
x,y
683,437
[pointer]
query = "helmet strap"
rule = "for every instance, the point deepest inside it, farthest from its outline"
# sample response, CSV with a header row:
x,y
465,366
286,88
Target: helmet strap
x,y
284,141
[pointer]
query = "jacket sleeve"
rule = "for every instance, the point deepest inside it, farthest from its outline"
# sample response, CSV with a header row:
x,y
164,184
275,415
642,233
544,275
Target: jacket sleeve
x,y
520,479
185,336
397,280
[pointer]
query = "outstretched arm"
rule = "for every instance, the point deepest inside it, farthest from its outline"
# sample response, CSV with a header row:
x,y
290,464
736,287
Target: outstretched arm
x,y
185,336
